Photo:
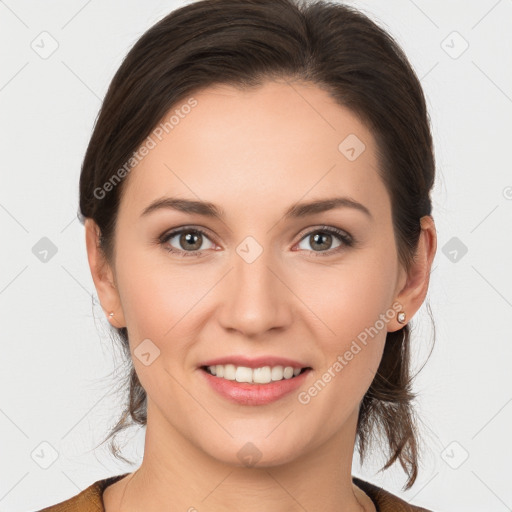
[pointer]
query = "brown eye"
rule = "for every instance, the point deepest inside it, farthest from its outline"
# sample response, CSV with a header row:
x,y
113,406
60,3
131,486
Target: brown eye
x,y
185,241
322,240
191,240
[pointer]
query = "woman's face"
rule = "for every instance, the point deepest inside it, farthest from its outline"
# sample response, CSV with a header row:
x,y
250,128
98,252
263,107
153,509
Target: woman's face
x,y
259,282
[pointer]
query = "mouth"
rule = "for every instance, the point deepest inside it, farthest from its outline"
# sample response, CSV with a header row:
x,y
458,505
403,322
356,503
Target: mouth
x,y
261,375
256,385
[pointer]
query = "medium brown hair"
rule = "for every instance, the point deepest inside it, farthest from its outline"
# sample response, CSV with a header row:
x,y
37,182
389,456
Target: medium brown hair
x,y
244,43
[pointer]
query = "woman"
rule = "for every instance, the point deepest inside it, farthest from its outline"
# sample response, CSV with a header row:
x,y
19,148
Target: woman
x,y
255,196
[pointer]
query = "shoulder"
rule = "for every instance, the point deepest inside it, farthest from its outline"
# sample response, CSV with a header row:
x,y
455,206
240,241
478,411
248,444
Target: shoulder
x,y
88,500
384,500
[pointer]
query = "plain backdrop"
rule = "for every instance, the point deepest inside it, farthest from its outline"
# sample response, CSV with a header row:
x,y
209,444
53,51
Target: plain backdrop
x,y
58,367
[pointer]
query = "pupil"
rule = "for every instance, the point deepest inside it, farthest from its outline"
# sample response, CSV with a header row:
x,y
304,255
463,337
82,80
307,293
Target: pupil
x,y
188,239
318,236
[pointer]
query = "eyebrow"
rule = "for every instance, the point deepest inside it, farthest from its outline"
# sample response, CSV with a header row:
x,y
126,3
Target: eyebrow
x,y
296,211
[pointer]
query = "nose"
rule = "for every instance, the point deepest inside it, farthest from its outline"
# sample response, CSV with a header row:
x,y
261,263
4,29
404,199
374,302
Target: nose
x,y
255,298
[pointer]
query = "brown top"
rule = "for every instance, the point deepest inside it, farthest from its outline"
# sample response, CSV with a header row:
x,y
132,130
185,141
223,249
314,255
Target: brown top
x,y
91,499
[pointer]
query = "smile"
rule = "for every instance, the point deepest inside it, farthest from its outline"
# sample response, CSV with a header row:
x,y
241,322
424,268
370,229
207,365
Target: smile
x,y
262,375
239,384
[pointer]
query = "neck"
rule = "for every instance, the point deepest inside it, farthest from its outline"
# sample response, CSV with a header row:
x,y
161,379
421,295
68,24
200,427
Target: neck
x,y
177,475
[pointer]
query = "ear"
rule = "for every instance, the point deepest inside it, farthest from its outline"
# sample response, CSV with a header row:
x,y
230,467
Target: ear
x,y
103,275
412,286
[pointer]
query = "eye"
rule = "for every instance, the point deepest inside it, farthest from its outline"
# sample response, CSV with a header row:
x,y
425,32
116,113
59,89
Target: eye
x,y
322,239
189,240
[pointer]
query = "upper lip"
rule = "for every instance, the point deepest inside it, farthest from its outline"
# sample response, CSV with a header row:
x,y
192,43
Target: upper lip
x,y
256,362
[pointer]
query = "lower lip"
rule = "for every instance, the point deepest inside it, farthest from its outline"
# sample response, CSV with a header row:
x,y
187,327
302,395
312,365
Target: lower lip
x,y
254,394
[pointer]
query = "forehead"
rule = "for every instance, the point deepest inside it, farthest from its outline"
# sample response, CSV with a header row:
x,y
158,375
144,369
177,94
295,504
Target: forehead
x,y
274,143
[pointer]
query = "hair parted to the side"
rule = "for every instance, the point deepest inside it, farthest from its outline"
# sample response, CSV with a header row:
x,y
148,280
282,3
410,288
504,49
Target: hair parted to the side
x,y
245,43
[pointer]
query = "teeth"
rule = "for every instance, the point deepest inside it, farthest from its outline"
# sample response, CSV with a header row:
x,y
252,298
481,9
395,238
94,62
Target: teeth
x,y
262,375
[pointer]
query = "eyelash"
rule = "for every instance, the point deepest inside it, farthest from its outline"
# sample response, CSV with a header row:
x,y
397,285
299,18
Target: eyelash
x,y
346,240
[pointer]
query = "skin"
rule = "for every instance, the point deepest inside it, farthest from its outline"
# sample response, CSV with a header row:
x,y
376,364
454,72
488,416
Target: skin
x,y
254,153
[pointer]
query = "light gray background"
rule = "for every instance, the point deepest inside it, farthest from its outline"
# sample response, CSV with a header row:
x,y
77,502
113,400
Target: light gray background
x,y
57,395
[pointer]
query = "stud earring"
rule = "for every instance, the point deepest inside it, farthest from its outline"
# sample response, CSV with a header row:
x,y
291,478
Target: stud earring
x,y
401,317
111,314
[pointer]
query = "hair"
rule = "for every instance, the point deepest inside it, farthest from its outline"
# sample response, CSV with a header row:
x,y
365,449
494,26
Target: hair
x,y
244,43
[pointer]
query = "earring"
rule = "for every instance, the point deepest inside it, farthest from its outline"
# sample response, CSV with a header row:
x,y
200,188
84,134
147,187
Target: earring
x,y
401,317
111,314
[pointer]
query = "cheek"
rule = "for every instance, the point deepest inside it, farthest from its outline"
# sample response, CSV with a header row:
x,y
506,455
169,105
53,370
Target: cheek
x,y
156,292
351,337
163,301
352,306
350,298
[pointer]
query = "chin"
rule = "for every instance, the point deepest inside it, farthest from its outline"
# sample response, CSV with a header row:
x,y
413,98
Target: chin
x,y
255,452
